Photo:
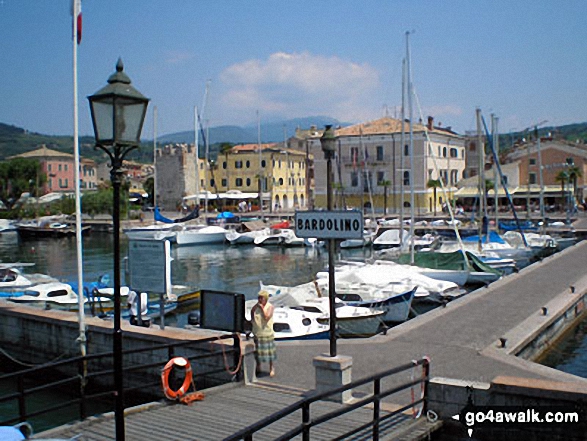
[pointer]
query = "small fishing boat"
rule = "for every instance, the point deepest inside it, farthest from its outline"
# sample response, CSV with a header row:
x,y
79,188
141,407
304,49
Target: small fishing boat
x,y
295,324
391,238
55,294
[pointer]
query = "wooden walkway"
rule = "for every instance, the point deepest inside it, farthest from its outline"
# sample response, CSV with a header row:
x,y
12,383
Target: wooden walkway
x,y
227,409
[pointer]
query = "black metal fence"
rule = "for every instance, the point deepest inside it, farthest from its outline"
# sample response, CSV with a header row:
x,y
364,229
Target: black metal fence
x,y
375,399
75,382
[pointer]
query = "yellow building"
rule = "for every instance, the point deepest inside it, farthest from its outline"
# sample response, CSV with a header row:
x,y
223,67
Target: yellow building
x,y
280,174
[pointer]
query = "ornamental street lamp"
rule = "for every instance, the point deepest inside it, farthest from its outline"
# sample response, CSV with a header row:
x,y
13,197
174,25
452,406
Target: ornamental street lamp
x,y
118,112
328,143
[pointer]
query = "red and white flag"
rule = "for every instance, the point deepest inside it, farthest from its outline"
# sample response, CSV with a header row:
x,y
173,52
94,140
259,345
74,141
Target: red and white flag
x,y
77,20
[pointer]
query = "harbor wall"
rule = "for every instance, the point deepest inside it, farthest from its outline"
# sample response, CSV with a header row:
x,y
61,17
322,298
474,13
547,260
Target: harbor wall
x,y
33,336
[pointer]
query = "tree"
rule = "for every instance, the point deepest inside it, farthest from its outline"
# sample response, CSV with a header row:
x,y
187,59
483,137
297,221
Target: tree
x,y
17,176
385,184
434,184
149,187
563,178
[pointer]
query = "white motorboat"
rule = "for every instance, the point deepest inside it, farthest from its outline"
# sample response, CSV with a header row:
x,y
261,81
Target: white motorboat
x,y
201,235
295,324
365,241
247,237
351,321
157,231
392,238
54,293
12,279
7,226
271,239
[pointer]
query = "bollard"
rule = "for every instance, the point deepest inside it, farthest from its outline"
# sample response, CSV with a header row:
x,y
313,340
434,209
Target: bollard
x,y
544,310
572,288
503,342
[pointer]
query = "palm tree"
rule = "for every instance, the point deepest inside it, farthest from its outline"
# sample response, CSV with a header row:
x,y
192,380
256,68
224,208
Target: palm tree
x,y
434,184
574,173
385,184
214,166
563,178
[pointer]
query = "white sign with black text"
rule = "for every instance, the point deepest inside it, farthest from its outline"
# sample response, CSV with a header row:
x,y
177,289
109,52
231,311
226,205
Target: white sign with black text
x,y
339,224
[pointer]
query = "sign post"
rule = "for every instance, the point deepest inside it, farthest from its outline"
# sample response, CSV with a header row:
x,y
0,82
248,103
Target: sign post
x,y
331,225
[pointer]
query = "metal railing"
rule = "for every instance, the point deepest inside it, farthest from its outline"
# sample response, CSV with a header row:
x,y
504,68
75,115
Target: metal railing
x,y
375,399
88,374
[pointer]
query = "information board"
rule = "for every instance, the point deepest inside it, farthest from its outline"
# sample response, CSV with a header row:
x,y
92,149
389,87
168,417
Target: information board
x,y
149,265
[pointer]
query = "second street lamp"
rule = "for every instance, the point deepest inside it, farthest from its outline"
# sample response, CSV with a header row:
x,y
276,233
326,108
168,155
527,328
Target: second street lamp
x,y
328,144
118,112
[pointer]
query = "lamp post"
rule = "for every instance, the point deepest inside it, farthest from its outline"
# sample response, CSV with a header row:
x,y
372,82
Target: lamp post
x,y
118,112
328,143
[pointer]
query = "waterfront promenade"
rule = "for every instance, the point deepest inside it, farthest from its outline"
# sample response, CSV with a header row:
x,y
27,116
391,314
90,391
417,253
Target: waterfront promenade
x,y
462,341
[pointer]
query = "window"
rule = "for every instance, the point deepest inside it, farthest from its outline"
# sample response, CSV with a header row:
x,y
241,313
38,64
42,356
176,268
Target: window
x,y
224,165
472,147
248,164
49,167
238,164
532,161
444,152
380,177
238,182
280,180
263,163
212,182
224,181
406,150
65,167
379,153
406,178
354,155
59,169
532,178
248,182
454,153
354,179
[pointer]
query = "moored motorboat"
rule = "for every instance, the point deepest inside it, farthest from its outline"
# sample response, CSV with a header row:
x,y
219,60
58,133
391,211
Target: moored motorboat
x,y
201,235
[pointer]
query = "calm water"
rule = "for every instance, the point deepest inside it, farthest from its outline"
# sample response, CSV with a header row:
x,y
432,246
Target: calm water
x,y
218,267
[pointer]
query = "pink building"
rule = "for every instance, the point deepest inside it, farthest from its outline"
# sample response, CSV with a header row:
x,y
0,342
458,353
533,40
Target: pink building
x,y
59,168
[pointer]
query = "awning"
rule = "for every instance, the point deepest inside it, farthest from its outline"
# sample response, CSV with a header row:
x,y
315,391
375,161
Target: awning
x,y
473,192
231,195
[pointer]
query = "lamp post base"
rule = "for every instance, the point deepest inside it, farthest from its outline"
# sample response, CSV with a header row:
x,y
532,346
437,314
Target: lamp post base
x,y
333,372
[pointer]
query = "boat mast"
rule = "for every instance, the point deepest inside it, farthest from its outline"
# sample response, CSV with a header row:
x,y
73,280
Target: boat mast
x,y
494,131
261,180
410,110
197,147
154,158
481,173
542,214
402,153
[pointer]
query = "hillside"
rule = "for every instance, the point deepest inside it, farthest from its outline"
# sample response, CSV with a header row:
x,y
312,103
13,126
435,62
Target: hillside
x,y
16,140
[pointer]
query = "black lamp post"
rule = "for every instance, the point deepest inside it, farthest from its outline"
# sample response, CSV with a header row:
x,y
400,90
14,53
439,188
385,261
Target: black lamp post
x,y
328,143
118,112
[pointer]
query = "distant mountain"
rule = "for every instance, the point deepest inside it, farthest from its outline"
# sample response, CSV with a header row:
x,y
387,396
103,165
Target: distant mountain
x,y
270,132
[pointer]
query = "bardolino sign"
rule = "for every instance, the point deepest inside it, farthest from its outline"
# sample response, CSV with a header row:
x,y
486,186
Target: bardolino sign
x,y
337,224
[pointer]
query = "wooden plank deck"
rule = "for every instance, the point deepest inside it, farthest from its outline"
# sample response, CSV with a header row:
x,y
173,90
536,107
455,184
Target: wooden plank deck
x,y
227,409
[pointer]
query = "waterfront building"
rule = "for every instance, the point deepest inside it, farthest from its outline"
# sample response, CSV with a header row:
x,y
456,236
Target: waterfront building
x,y
371,164
88,174
238,174
57,166
562,163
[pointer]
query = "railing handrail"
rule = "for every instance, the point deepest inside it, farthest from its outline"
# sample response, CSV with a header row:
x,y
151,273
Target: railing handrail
x,y
98,355
247,432
21,394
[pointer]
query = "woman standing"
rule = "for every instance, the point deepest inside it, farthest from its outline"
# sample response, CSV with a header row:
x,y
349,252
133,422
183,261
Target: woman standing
x,y
262,321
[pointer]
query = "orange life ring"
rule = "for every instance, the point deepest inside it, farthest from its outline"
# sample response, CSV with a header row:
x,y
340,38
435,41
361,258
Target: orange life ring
x,y
181,362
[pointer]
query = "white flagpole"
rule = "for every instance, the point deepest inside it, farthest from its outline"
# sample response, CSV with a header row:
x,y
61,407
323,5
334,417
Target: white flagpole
x,y
78,211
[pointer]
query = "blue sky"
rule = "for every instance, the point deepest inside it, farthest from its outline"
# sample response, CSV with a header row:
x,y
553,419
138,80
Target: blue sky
x,y
525,61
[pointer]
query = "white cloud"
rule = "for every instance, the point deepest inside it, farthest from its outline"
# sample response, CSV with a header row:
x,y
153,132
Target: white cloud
x,y
297,84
